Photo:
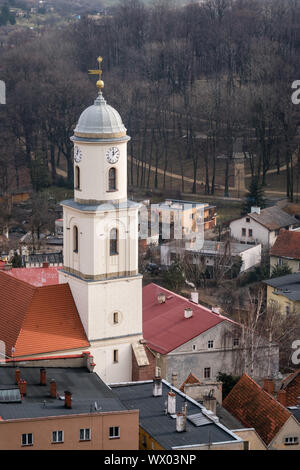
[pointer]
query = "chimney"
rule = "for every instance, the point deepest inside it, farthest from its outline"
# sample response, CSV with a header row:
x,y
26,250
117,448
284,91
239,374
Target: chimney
x,y
161,298
45,264
269,386
188,312
181,420
281,397
18,375
7,267
157,387
171,403
52,388
174,379
23,387
43,376
216,310
68,399
255,210
195,297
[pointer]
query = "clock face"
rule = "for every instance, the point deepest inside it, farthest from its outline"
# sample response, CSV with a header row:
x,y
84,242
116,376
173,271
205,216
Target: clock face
x,y
77,154
113,155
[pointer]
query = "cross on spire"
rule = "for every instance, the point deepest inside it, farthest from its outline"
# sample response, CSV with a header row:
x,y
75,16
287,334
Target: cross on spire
x,y
100,83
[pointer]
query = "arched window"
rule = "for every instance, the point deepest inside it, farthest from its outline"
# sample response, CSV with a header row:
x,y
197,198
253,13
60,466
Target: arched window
x,y
75,239
112,179
77,177
113,242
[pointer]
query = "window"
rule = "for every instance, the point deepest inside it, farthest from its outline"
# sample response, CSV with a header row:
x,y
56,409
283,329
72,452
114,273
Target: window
x,y
57,436
243,232
236,341
75,239
27,439
113,242
85,434
280,262
210,344
248,220
116,355
250,232
276,232
116,318
207,372
290,441
144,440
194,347
112,179
114,432
287,309
77,177
246,445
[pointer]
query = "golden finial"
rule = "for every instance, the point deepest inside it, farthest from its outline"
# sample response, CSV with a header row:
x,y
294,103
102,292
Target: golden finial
x,y
100,83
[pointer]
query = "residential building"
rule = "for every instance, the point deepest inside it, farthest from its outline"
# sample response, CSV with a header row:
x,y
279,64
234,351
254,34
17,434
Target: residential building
x,y
212,252
286,250
170,420
258,409
64,408
284,291
261,226
181,335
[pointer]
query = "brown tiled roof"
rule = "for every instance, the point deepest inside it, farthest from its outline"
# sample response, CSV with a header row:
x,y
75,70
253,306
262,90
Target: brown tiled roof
x,y
273,218
255,408
287,245
292,386
36,320
191,379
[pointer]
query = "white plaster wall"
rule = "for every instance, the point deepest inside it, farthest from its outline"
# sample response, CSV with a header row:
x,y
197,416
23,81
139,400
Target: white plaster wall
x,y
260,234
94,171
109,371
251,257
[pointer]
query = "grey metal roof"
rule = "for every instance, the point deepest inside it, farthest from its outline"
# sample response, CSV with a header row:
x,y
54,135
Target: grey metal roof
x,y
274,218
100,118
86,387
295,410
288,286
105,206
52,258
162,427
227,419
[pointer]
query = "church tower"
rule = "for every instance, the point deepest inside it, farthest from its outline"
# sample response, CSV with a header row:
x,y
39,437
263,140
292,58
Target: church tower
x,y
101,241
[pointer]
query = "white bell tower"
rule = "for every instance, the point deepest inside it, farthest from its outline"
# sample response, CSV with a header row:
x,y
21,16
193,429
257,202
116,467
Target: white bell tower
x,y
101,241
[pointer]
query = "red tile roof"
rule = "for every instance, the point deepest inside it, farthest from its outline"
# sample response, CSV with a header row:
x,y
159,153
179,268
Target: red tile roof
x,y
255,408
287,245
36,276
36,320
292,386
191,379
164,325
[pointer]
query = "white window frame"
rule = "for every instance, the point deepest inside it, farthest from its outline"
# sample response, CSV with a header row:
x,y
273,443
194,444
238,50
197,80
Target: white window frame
x,y
291,441
27,443
56,441
210,344
114,436
85,438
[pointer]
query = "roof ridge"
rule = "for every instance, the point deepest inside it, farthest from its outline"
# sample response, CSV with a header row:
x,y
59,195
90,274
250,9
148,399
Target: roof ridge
x,y
16,279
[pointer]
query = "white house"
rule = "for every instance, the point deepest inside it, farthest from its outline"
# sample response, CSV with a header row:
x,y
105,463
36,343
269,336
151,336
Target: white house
x,y
261,226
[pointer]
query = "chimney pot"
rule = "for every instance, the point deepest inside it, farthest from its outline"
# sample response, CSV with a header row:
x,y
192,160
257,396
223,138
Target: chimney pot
x,y
195,297
68,399
188,312
171,403
52,388
45,264
23,387
43,380
174,379
269,386
18,375
157,387
161,298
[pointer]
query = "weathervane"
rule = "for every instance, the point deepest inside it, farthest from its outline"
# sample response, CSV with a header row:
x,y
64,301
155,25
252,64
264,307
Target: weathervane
x,y
100,83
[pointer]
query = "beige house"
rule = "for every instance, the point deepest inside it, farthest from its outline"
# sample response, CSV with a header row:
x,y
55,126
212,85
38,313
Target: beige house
x,y
286,250
284,292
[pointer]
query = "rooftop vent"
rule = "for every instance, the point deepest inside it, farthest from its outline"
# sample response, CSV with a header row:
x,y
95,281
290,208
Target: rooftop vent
x,y
216,310
188,312
161,298
255,210
195,297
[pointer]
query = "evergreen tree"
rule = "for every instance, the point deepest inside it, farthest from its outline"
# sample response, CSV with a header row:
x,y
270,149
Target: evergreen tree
x,y
282,270
255,197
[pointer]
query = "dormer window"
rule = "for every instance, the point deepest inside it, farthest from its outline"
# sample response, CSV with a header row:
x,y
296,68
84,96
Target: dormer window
x,y
112,179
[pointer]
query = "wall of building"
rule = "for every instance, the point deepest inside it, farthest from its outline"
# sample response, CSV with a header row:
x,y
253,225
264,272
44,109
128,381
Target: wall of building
x,y
260,234
11,432
251,257
282,302
290,429
291,263
253,439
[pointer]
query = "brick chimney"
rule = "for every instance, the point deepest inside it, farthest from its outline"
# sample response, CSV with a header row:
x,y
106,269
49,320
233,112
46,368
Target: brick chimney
x,y
43,376
281,397
45,264
68,399
18,375
52,388
23,387
269,386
